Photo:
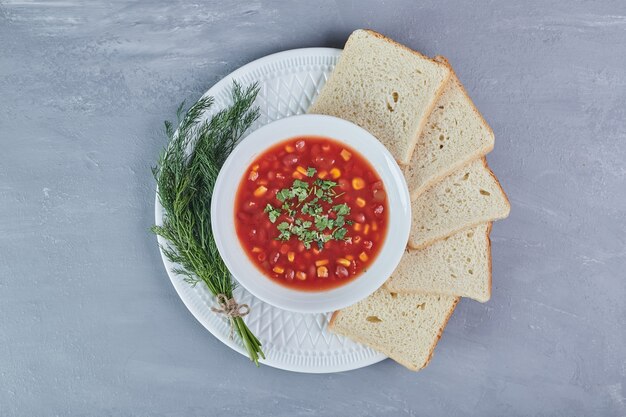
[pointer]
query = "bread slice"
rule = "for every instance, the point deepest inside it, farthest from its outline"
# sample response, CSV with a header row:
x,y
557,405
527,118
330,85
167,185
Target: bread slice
x,y
459,265
454,135
404,327
384,87
467,198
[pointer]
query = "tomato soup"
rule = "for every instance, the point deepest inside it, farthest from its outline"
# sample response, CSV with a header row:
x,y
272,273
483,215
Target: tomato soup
x,y
311,213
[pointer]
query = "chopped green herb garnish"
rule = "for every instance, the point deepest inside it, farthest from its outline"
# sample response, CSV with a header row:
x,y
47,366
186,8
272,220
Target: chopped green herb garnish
x,y
302,198
272,212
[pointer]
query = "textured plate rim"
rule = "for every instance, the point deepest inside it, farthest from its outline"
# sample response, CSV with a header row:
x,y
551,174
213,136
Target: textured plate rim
x,y
180,285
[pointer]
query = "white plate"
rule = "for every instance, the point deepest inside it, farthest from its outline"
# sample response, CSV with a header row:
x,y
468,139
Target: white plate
x,y
298,342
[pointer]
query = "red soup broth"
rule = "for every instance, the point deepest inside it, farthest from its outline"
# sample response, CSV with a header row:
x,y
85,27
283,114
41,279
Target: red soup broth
x,y
311,213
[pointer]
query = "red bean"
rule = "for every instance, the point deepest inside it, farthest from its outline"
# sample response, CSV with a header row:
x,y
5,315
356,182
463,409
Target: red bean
x,y
284,249
379,196
301,247
244,217
252,234
250,207
261,257
274,257
324,162
316,149
271,175
359,218
341,271
262,235
353,267
344,184
312,272
378,185
290,159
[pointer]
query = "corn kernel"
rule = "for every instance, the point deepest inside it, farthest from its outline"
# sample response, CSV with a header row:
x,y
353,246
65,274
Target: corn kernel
x,y
343,261
349,257
345,155
326,147
291,256
335,172
289,148
321,262
256,249
297,175
260,191
357,227
360,202
278,269
363,257
316,251
253,175
301,170
300,275
366,230
322,174
322,272
374,226
255,167
358,183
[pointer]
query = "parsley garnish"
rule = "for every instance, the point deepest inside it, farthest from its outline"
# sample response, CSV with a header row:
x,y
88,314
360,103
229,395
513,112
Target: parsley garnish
x,y
272,212
314,225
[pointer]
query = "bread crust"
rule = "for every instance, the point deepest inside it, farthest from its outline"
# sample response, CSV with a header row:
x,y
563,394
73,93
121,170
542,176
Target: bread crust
x,y
438,92
489,285
331,322
440,333
390,288
380,348
415,193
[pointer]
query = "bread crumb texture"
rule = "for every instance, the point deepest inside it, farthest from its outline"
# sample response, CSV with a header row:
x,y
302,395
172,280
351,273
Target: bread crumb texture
x,y
405,327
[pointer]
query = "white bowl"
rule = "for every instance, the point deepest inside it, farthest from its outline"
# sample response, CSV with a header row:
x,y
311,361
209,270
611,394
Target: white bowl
x,y
223,218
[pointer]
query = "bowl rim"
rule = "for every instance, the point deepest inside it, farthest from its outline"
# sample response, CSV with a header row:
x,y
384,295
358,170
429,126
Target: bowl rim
x,y
242,268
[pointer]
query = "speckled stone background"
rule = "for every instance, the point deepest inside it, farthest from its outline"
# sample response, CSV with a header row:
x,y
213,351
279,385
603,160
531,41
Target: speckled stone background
x,y
89,322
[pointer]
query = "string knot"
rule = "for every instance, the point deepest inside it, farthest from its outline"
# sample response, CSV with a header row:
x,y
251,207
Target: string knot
x,y
229,307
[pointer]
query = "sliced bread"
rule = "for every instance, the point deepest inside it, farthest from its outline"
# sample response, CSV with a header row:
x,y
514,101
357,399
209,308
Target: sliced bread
x,y
455,133
404,327
384,87
466,198
459,265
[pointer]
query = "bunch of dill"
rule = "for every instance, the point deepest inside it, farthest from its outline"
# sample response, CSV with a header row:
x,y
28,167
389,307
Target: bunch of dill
x,y
185,174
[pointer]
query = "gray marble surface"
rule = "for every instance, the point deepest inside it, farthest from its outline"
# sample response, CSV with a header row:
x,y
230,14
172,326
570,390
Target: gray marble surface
x,y
89,322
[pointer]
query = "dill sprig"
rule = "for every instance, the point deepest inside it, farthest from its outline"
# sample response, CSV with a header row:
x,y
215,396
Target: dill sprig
x,y
185,175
